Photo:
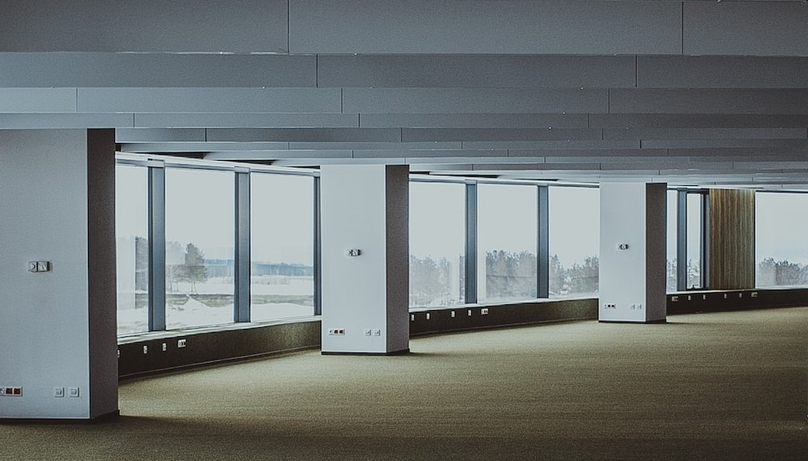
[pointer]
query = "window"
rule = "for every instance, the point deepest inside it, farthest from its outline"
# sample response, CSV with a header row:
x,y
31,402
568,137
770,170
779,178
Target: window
x,y
672,246
200,247
781,247
282,246
437,244
574,220
132,246
695,240
507,242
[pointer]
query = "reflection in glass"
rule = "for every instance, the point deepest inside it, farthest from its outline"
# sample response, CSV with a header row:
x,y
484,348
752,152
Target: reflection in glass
x,y
574,219
507,242
781,246
437,244
132,246
200,247
282,246
671,238
694,240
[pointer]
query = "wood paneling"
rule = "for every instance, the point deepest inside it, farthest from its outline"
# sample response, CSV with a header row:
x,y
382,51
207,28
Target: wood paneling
x,y
732,239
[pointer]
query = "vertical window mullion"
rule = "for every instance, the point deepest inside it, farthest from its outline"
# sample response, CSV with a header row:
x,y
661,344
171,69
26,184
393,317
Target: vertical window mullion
x,y
318,266
471,243
157,247
543,250
241,306
705,241
681,241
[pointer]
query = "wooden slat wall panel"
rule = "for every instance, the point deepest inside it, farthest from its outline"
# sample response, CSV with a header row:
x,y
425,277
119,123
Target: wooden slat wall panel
x,y
732,239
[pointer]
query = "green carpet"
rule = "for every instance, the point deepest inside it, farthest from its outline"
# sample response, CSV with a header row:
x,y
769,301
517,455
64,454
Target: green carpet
x,y
708,386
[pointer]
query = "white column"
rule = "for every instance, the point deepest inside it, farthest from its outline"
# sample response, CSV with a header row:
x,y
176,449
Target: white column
x,y
632,252
58,328
365,296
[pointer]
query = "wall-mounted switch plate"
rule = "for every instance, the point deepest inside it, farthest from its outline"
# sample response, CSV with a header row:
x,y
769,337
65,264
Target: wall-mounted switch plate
x,y
165,348
145,349
428,316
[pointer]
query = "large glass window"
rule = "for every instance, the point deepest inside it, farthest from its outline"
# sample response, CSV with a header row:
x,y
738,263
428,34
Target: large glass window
x,y
507,241
781,245
132,246
282,246
200,247
574,218
437,244
694,240
670,266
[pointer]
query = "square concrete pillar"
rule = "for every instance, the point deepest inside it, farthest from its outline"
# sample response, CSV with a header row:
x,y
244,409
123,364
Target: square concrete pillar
x,y
632,252
365,259
58,327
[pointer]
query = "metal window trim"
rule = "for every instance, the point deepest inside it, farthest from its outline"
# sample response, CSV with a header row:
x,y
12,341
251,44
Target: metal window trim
x,y
242,263
471,244
157,249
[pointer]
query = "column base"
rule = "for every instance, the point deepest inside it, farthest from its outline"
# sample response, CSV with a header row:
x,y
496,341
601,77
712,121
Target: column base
x,y
401,352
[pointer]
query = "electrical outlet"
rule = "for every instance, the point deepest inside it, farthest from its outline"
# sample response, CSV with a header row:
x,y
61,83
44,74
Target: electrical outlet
x,y
73,392
377,332
58,392
484,311
367,332
9,391
181,343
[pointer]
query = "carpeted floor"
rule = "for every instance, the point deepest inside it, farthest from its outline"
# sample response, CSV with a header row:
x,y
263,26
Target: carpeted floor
x,y
709,386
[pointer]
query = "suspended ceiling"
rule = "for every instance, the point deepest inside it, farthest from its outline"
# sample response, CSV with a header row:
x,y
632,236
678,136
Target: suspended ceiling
x,y
692,93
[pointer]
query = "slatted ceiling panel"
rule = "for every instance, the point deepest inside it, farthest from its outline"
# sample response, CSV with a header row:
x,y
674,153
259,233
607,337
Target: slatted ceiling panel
x,y
473,101
542,145
202,147
278,154
732,239
748,28
156,70
378,146
31,100
663,120
144,25
721,72
481,120
128,135
705,133
475,26
499,134
250,120
770,145
64,121
207,100
709,101
313,135
478,71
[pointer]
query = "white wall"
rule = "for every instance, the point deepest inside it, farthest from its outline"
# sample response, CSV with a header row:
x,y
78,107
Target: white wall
x,y
44,318
357,211
632,214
